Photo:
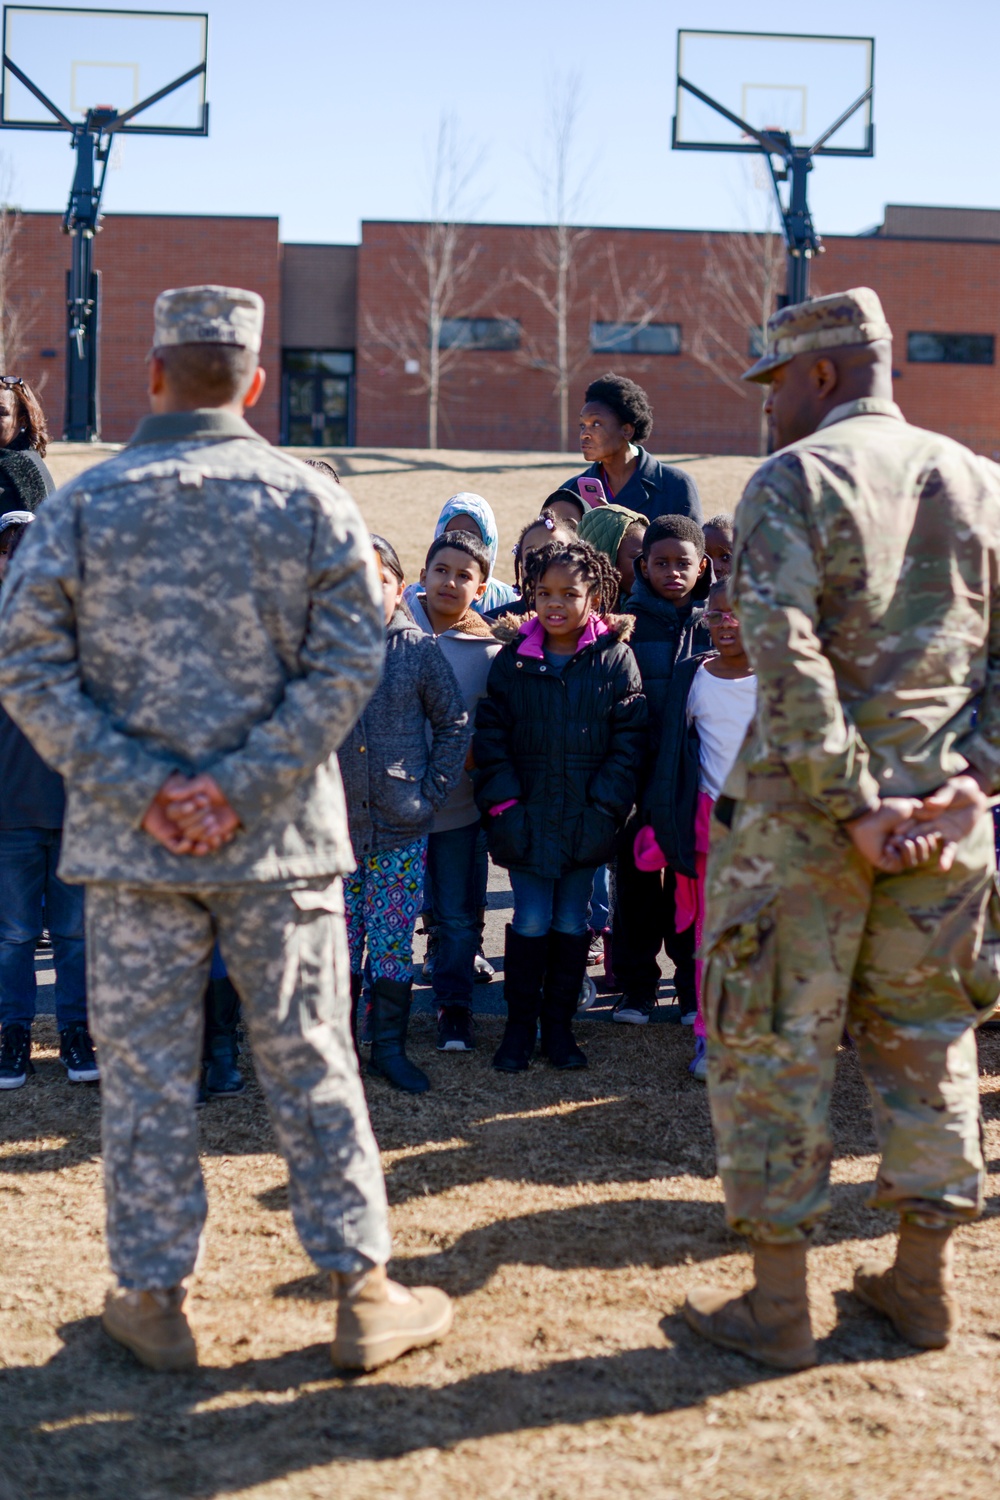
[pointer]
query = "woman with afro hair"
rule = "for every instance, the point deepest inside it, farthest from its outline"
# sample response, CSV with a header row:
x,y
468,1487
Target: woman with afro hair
x,y
615,421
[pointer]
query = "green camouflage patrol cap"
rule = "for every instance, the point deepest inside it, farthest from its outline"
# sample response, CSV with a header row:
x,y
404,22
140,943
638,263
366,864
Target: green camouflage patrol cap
x,y
208,315
853,317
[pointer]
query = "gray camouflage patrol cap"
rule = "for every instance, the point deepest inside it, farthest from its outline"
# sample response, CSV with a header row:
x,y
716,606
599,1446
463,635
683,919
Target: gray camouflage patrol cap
x,y
208,315
853,317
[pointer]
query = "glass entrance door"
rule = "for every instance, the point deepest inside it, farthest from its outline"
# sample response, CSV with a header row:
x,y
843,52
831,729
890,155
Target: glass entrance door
x,y
317,399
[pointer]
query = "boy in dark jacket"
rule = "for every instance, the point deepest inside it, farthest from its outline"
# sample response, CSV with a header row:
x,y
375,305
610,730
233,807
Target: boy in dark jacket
x,y
32,803
671,577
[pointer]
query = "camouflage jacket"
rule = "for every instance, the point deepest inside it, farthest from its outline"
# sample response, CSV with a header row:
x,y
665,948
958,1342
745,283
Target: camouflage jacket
x,y
866,575
198,602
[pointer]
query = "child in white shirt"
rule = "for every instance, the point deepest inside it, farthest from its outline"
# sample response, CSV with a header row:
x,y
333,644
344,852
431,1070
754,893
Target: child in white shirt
x,y
720,700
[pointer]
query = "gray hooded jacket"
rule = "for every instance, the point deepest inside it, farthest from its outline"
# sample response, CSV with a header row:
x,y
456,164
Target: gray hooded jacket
x,y
408,749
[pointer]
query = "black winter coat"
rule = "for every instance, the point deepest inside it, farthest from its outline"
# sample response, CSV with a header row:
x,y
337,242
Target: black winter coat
x,y
663,635
670,802
566,746
25,480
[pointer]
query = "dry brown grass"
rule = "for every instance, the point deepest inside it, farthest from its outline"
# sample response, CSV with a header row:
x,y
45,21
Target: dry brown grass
x,y
568,1216
401,491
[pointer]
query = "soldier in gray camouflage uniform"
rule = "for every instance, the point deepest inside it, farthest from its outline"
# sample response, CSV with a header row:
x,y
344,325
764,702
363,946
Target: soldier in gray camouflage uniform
x,y
855,881
187,638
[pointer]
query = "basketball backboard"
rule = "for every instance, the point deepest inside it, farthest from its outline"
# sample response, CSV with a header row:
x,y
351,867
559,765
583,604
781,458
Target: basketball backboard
x,y
799,85
82,60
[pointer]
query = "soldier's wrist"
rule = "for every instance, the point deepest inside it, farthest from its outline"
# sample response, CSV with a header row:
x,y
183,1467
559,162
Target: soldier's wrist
x,y
865,811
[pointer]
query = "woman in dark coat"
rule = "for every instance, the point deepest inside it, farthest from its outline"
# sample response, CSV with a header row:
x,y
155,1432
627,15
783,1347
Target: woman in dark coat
x,y
24,478
616,419
558,741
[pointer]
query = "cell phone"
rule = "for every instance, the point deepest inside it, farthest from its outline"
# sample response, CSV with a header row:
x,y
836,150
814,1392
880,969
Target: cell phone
x,y
592,490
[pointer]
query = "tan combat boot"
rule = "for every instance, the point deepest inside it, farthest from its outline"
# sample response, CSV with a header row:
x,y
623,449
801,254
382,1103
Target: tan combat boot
x,y
153,1326
916,1293
378,1320
770,1322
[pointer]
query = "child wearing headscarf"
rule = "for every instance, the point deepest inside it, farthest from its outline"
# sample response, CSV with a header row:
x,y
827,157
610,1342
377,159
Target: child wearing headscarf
x,y
617,532
468,512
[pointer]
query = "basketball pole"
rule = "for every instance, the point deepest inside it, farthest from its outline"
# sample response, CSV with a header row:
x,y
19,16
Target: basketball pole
x,y
83,286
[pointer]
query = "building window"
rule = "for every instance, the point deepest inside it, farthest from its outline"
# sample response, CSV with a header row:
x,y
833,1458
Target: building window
x,y
480,333
317,398
950,348
635,338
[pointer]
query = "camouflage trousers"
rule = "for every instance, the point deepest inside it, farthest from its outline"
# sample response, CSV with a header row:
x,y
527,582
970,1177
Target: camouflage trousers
x,y
149,953
801,938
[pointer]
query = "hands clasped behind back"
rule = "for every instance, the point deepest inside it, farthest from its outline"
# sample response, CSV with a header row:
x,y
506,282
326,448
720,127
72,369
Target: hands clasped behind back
x,y
904,833
191,815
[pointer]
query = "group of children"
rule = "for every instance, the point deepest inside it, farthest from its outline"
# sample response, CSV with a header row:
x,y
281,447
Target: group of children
x,y
579,725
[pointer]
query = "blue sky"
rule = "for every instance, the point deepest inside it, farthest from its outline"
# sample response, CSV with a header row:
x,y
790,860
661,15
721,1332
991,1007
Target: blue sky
x,y
323,113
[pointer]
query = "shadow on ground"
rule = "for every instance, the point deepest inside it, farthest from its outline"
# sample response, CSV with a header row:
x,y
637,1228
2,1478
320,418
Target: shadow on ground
x,y
266,1419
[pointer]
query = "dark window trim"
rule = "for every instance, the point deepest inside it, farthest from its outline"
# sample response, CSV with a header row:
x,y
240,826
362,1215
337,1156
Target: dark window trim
x,y
631,345
952,348
505,339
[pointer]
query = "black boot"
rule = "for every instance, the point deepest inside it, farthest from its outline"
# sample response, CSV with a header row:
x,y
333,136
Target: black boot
x,y
357,985
523,972
567,964
221,1077
388,1060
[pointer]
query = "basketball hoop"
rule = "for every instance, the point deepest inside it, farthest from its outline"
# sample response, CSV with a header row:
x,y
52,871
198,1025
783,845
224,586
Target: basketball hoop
x,y
57,62
729,83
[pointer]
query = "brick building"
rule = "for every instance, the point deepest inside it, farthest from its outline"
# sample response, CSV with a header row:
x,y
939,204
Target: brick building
x,y
347,350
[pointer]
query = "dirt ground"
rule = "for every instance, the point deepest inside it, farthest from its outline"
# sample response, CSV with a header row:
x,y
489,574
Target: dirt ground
x,y
568,1216
401,491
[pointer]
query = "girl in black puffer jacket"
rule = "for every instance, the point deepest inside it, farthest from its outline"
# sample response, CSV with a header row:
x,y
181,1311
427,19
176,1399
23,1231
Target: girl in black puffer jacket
x,y
558,741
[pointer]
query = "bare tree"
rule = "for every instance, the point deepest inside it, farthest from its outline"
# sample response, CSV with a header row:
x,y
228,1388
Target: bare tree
x,y
727,306
576,284
437,274
556,252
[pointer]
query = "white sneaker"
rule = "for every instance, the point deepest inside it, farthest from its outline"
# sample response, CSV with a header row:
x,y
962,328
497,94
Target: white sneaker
x,y
633,1012
588,994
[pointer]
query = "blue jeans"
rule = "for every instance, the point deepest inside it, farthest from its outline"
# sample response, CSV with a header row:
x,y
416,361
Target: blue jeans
x,y
32,897
541,905
454,890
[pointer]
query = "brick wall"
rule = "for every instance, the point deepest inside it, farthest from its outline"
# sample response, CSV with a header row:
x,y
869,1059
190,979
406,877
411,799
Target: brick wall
x,y
499,400
139,255
495,400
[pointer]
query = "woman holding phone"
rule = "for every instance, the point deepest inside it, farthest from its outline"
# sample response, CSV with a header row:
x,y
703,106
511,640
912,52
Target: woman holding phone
x,y
615,420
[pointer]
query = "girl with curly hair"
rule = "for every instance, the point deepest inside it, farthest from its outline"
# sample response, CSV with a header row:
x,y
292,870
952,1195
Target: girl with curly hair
x,y
558,741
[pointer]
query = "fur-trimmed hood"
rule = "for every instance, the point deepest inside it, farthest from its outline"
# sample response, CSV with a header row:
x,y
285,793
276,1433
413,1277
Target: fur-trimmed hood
x,y
508,627
470,624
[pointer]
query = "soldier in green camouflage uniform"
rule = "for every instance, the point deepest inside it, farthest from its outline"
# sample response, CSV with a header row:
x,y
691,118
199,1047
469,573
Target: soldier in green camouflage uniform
x,y
866,575
189,636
